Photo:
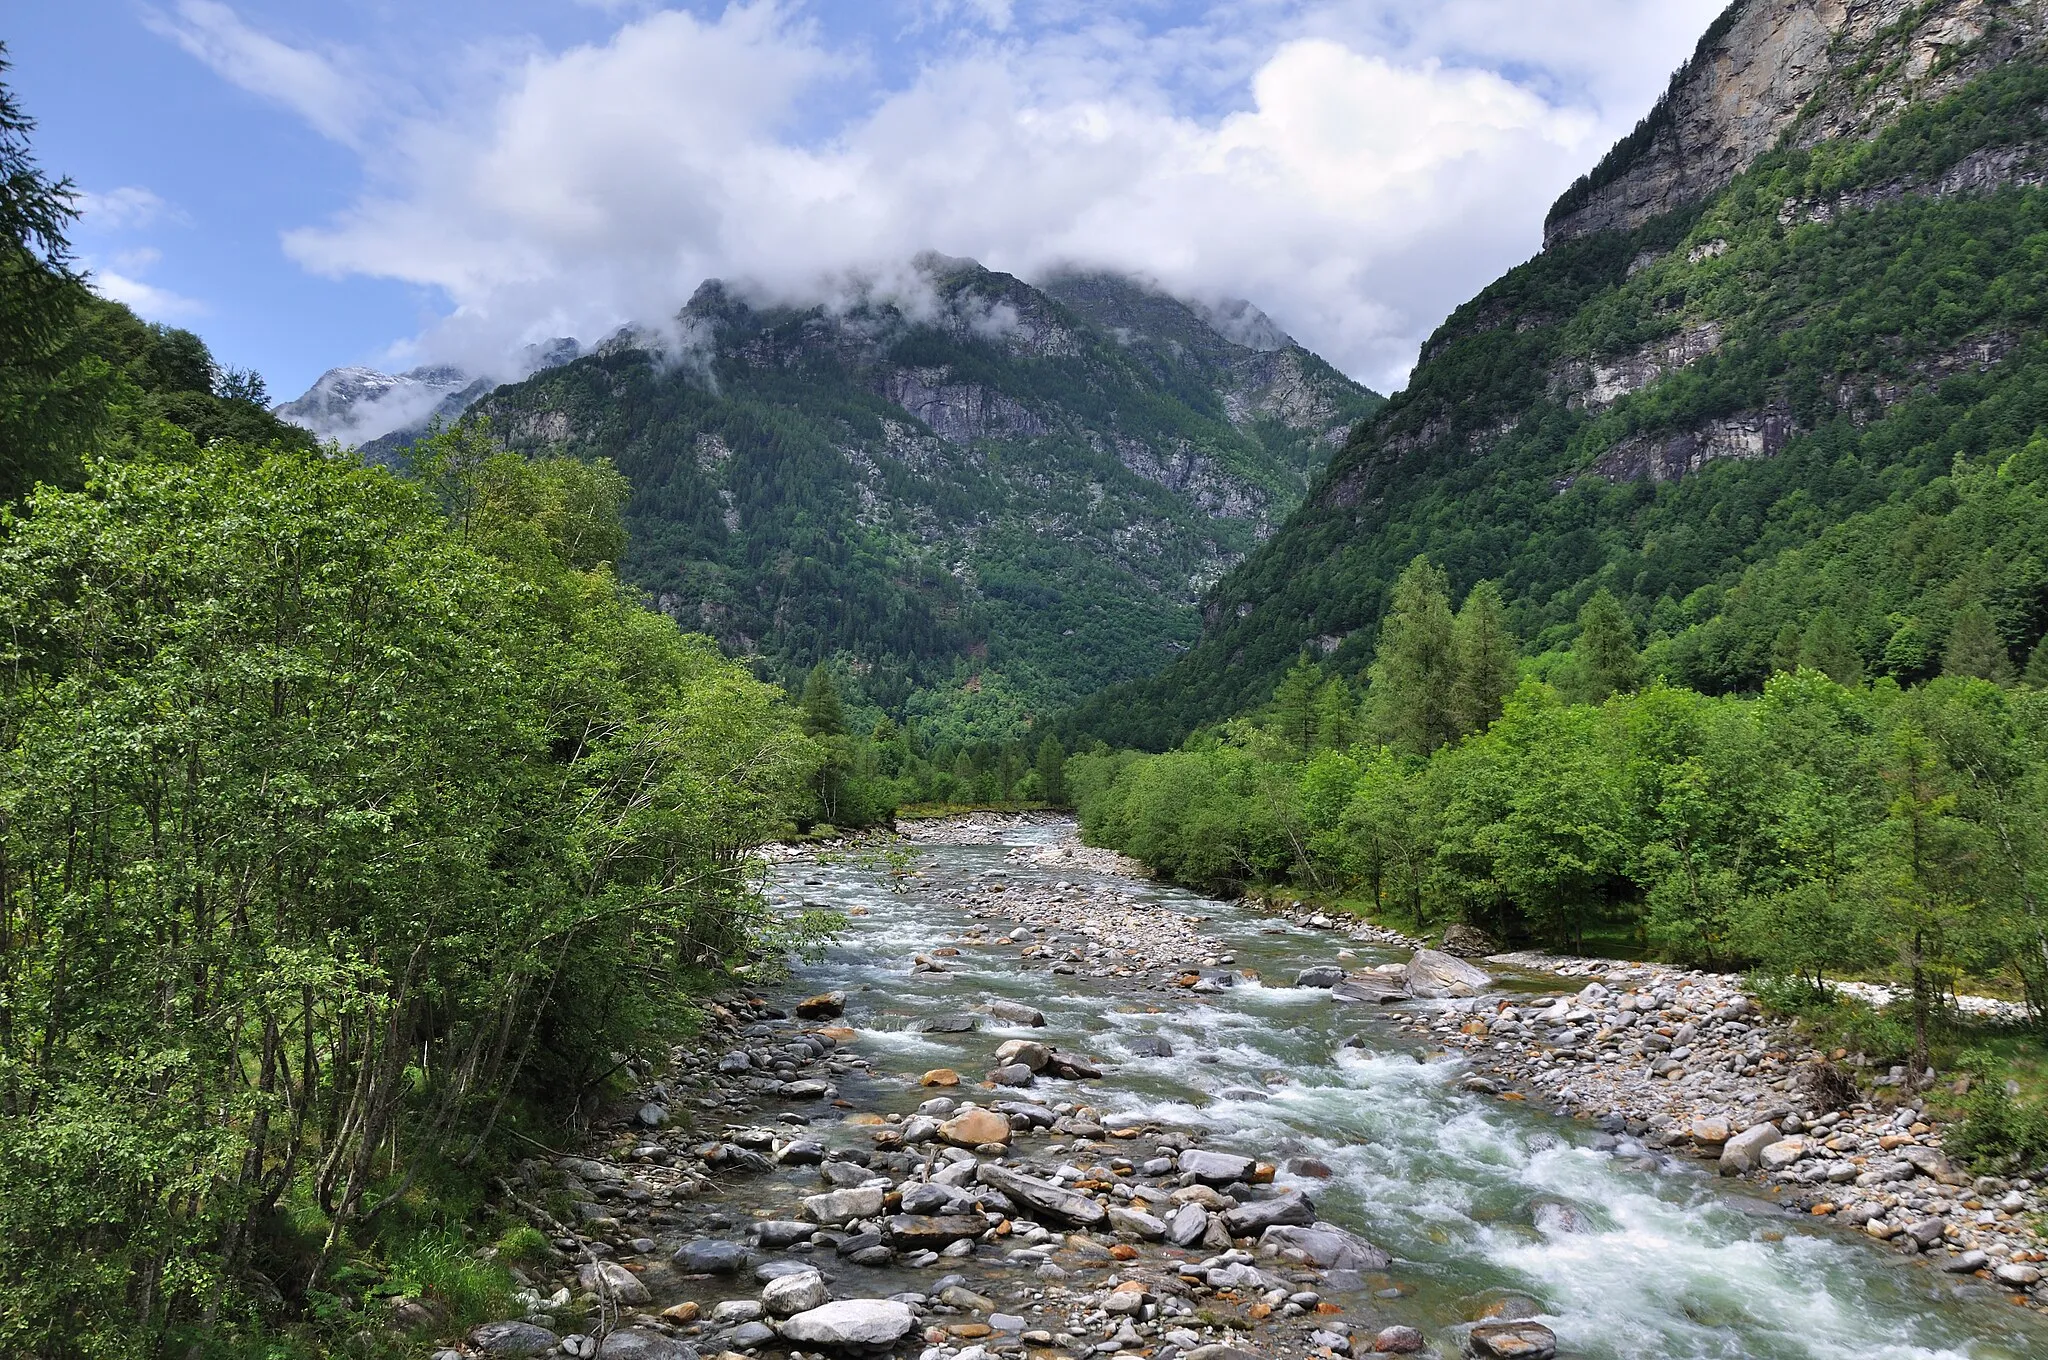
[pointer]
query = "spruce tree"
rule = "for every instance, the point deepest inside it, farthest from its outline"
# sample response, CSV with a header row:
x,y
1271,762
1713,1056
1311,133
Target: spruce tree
x,y
1605,652
1294,705
1052,771
1485,649
1974,648
1828,648
1415,666
824,715
2036,675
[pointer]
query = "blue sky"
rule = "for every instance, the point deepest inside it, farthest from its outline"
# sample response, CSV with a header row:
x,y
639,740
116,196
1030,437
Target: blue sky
x,y
362,181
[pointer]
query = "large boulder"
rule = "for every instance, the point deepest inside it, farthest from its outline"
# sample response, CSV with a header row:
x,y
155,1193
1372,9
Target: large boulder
x,y
1187,1225
1052,1200
1744,1152
1513,1341
610,1280
972,1128
837,1207
789,1295
730,1258
1469,942
1433,975
642,1343
511,1339
823,1006
1027,1052
1322,975
1215,1168
1016,1013
1371,989
851,1324
1327,1246
1291,1209
932,1232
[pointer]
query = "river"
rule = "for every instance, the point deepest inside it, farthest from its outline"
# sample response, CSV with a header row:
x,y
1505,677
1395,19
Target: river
x,y
1668,1259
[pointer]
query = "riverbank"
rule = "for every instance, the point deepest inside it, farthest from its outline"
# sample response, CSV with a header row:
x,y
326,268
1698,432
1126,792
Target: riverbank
x,y
810,1180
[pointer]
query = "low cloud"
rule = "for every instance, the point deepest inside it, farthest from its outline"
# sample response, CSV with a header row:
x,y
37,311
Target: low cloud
x,y
148,300
1355,169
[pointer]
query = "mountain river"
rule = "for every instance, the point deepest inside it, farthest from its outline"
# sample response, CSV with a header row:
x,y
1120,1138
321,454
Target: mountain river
x,y
1668,1260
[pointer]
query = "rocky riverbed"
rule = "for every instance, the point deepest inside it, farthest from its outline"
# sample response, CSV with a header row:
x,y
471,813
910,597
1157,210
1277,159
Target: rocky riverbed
x,y
808,1179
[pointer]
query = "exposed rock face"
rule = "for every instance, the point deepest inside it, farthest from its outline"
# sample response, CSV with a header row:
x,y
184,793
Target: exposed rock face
x,y
1786,68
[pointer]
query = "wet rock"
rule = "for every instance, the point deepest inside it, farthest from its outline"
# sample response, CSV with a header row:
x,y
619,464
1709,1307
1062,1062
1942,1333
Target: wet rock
x,y
735,1061
851,1324
932,1232
774,1234
1016,1013
824,1006
1292,1209
1374,989
511,1339
949,1024
1151,1046
751,1335
1026,1052
732,1312
1136,1222
1927,1231
1310,1166
1323,975
1513,1341
802,1152
1552,1217
793,1294
1398,1341
843,1206
1215,1168
1015,1074
1469,942
1434,975
926,1198
940,1076
641,1343
610,1280
974,1127
1043,1196
1327,1245
2017,1274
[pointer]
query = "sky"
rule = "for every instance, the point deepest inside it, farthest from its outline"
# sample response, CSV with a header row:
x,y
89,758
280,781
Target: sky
x,y
389,183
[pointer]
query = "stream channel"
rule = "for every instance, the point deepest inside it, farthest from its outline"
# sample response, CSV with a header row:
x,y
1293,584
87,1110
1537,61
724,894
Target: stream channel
x,y
1671,1261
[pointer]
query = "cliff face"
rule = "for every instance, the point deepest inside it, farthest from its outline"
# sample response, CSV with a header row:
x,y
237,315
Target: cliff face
x,y
1800,289
993,486
1806,71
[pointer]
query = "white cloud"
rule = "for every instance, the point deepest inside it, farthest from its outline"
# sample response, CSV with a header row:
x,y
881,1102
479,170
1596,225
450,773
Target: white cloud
x,y
334,101
128,208
1356,167
148,300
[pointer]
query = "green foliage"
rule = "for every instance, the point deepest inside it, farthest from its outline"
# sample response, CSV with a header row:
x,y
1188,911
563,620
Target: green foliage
x,y
1415,669
446,1269
341,814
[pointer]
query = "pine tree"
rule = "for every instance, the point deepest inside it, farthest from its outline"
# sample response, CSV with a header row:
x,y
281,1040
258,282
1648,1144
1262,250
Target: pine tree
x,y
1974,648
1829,649
1786,650
1052,772
1606,649
1485,649
1294,705
1335,710
2036,675
824,715
1415,666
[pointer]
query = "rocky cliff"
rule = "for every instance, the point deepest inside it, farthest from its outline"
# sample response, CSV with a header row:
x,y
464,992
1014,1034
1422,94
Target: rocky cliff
x,y
1802,289
1798,71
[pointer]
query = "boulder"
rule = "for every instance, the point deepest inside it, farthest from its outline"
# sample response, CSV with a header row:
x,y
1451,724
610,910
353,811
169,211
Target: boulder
x,y
1151,1046
1741,1153
775,1234
1016,1013
1323,975
933,1232
1187,1225
1014,1074
823,1006
1434,975
1513,1341
1215,1168
1136,1222
793,1294
851,1324
926,1198
837,1207
1292,1209
1781,1154
972,1128
940,1076
1374,989
1028,1052
1052,1200
1398,1341
511,1339
949,1024
643,1343
1469,942
1328,1246
610,1280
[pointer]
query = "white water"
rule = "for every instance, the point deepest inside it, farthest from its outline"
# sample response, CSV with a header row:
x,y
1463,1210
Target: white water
x,y
1674,1262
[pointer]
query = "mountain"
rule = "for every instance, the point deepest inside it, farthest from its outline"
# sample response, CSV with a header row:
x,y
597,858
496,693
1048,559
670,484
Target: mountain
x,y
382,412
1807,290
985,498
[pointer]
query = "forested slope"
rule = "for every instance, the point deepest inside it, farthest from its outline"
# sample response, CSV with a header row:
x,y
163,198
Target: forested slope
x,y
994,497
1743,333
